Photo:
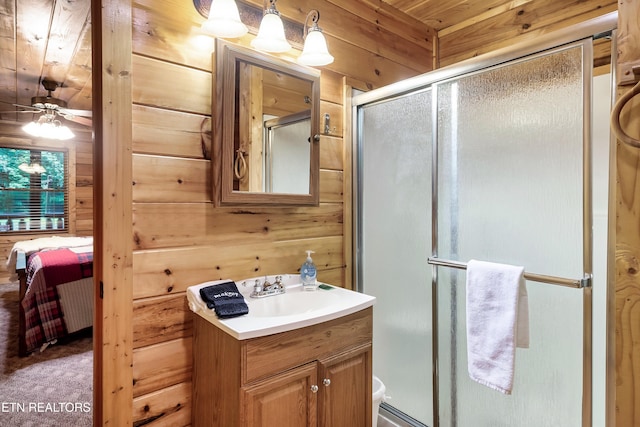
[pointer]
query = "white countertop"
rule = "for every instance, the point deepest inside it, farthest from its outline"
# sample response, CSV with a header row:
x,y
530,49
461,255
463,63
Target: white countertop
x,y
294,309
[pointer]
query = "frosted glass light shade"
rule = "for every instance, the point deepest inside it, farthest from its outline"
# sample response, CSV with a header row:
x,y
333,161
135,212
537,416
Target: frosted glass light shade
x,y
224,20
315,52
271,36
48,128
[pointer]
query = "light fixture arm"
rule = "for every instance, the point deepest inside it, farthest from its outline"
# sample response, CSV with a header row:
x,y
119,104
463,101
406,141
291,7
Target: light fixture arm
x,y
315,52
314,16
272,7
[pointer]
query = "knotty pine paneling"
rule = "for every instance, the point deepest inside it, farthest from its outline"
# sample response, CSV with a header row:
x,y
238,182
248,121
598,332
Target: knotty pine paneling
x,y
165,31
383,14
179,238
9,53
628,45
171,133
331,153
160,319
78,80
520,21
626,384
162,225
39,22
172,86
169,30
389,46
331,86
187,180
112,118
161,365
182,180
172,270
445,14
83,143
168,407
332,186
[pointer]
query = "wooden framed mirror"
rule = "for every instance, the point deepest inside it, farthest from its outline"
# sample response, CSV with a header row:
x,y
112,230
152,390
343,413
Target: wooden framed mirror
x,y
266,125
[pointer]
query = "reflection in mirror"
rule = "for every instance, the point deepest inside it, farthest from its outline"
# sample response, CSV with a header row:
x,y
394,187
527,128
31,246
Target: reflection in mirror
x,y
268,108
287,153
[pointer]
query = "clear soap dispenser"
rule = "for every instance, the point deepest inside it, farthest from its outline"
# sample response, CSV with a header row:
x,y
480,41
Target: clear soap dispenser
x,y
308,274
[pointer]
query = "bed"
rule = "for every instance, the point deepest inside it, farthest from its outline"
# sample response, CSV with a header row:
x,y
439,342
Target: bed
x,y
56,289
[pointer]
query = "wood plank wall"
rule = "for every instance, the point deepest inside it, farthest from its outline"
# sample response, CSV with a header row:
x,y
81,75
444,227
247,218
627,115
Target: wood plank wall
x,y
627,230
82,193
179,238
515,22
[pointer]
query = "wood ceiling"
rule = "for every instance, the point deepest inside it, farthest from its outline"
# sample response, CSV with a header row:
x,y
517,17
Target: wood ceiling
x,y
441,14
44,39
52,39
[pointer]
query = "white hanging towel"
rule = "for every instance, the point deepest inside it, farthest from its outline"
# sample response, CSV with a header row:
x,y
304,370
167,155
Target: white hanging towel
x,y
497,322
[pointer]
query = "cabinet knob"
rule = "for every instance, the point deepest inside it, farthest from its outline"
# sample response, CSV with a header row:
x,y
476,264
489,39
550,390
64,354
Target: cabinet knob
x,y
314,388
326,382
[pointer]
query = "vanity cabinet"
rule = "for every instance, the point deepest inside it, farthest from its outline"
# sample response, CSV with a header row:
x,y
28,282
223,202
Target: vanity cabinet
x,y
340,392
319,375
284,399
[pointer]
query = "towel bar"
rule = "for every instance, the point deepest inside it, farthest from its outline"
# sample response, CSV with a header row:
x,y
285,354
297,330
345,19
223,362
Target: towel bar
x,y
553,280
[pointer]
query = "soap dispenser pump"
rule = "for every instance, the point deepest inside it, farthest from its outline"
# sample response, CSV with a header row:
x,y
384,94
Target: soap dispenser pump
x,y
308,274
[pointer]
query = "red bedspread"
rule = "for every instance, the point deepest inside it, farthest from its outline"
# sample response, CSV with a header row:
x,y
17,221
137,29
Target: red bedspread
x,y
45,270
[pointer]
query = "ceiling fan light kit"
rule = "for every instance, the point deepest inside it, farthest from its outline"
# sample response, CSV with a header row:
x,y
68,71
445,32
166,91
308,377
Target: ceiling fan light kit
x,y
48,102
47,125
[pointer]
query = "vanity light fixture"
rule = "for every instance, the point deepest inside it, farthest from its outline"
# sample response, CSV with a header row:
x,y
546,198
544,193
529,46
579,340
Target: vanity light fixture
x,y
48,127
224,20
314,52
271,36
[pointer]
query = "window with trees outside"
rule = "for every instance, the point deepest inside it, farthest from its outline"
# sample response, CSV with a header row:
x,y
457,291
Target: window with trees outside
x,y
33,190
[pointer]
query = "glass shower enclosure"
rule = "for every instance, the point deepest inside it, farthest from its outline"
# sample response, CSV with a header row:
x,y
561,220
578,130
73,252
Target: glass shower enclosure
x,y
395,240
492,161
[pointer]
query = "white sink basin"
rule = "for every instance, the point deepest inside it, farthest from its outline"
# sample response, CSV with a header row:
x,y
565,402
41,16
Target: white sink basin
x,y
296,308
294,302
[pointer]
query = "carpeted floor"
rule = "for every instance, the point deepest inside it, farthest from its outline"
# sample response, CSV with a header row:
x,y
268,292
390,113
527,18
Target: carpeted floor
x,y
52,388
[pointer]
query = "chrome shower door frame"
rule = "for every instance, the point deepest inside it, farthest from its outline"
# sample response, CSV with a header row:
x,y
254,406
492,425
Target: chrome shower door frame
x,y
574,34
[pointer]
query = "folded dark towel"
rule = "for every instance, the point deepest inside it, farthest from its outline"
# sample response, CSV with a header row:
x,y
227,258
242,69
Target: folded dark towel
x,y
225,309
225,299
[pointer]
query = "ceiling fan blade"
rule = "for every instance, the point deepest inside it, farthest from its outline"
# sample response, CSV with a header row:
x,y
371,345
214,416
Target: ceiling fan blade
x,y
21,105
83,113
18,111
80,120
29,106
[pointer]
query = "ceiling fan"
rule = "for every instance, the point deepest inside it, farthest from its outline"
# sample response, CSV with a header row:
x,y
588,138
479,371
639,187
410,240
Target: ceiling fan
x,y
50,106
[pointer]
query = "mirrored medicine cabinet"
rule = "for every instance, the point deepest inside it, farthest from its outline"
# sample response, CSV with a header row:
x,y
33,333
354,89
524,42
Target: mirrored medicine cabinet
x,y
266,127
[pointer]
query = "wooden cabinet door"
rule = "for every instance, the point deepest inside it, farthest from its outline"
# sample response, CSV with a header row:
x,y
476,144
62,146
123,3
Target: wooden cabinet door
x,y
345,389
284,400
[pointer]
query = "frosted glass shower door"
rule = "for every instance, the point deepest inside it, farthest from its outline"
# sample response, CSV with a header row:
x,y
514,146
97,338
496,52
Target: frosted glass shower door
x,y
395,155
511,190
288,157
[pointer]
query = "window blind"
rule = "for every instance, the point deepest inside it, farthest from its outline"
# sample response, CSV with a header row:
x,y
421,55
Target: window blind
x,y
33,190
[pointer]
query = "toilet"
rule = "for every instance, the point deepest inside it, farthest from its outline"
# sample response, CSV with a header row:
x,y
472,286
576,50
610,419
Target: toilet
x,y
378,397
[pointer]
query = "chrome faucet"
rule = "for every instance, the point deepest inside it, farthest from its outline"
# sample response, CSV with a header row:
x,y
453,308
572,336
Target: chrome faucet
x,y
266,289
